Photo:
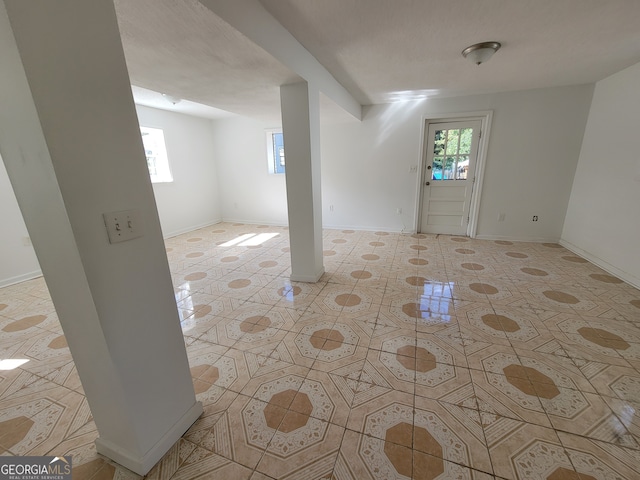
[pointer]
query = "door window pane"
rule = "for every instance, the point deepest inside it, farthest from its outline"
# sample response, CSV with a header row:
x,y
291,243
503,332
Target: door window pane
x,y
451,154
463,167
453,137
449,168
465,141
439,142
436,173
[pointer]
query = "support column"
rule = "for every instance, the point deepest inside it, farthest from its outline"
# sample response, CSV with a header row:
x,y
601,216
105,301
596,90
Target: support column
x,y
301,128
70,140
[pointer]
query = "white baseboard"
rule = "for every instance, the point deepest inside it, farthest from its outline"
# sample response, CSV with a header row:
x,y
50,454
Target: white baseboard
x,y
331,227
253,222
142,465
366,229
603,264
189,229
20,278
519,239
307,278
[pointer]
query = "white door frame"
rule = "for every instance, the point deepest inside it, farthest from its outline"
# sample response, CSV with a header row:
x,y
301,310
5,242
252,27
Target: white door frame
x,y
485,118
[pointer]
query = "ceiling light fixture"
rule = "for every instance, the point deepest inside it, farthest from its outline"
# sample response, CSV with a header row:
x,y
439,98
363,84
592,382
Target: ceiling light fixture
x,y
481,52
171,98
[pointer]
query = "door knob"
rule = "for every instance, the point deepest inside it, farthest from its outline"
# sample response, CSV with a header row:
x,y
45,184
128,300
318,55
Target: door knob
x,y
427,183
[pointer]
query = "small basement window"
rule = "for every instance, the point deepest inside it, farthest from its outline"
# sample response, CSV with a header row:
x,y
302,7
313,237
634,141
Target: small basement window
x,y
275,151
156,152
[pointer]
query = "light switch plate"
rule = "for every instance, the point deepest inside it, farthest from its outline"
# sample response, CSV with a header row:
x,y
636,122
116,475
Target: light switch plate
x,y
123,226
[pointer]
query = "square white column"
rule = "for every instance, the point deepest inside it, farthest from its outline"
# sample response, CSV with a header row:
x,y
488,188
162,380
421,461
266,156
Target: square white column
x,y
70,140
301,128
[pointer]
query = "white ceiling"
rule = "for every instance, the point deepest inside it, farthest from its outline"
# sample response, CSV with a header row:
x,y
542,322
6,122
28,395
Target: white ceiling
x,y
149,98
182,49
380,50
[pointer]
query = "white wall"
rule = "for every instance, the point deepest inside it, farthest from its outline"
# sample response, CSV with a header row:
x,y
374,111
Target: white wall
x,y
532,154
18,261
249,193
602,221
192,200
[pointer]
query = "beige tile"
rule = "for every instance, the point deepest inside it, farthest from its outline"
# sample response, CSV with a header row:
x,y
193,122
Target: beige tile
x,y
364,457
508,396
358,383
587,415
34,425
328,402
489,357
613,380
172,460
413,355
359,417
308,451
520,450
232,433
451,432
600,460
286,377
204,464
19,383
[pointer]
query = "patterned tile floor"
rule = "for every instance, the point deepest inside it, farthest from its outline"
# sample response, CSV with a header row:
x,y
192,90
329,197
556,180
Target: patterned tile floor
x,y
415,356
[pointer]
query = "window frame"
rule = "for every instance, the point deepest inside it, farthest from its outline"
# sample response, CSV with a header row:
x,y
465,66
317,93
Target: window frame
x,y
271,160
162,163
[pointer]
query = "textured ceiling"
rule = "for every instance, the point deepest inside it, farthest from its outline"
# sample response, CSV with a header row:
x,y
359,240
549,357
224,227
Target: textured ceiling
x,y
380,50
150,98
181,48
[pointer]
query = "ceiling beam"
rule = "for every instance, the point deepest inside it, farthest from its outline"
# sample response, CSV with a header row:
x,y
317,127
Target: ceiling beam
x,y
251,19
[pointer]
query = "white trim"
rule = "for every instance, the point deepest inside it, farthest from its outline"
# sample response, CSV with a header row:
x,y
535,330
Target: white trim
x,y
6,282
307,278
518,239
167,175
474,211
603,264
142,465
175,233
253,222
270,160
331,227
486,118
368,229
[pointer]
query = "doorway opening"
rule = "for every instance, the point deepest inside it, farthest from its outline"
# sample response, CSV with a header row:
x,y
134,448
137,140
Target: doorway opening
x,y
452,168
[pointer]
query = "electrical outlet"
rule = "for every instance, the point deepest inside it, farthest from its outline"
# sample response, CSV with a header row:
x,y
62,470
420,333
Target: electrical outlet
x,y
413,169
535,218
331,208
123,226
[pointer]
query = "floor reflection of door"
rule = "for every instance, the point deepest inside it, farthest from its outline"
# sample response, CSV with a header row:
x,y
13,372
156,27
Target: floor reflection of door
x,y
451,154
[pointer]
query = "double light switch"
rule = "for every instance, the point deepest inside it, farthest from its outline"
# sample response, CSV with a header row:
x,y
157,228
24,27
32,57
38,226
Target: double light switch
x,y
123,226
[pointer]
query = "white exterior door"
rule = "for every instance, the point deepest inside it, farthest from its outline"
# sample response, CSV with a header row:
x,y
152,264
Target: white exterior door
x,y
450,161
